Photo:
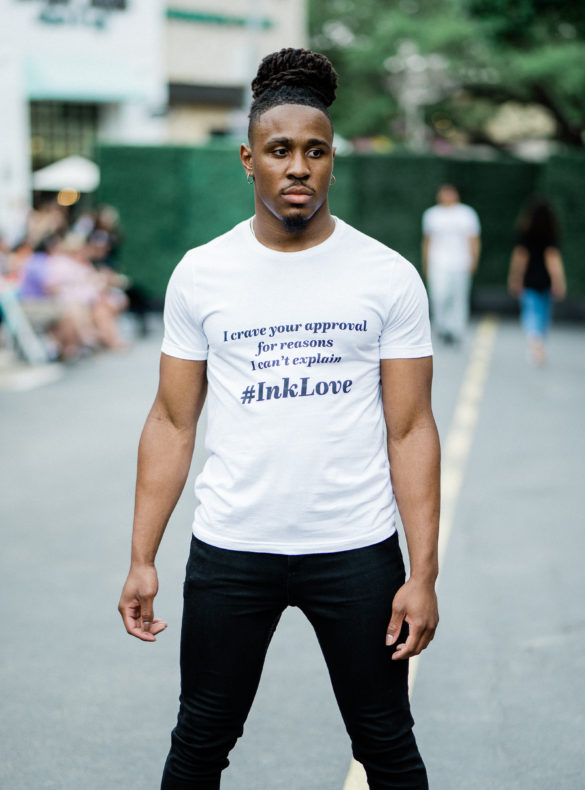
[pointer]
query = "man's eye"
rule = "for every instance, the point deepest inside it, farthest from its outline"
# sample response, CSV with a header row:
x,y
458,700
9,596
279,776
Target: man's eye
x,y
315,153
279,151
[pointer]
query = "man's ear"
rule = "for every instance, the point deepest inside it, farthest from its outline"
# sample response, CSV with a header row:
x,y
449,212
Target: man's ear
x,y
246,158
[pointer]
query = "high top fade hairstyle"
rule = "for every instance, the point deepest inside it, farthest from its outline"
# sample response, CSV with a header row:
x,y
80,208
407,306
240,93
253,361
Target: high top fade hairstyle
x,y
292,76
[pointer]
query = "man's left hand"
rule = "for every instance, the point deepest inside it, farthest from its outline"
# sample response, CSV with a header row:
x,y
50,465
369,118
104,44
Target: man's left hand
x,y
416,604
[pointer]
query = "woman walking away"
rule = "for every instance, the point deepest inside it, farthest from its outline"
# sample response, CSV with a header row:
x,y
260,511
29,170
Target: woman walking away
x,y
536,273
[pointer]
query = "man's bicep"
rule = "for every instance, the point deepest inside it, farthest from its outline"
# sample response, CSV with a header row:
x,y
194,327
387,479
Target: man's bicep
x,y
406,393
181,391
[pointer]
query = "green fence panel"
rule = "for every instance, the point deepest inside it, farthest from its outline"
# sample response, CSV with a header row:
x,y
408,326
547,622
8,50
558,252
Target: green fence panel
x,y
173,198
170,199
390,194
563,181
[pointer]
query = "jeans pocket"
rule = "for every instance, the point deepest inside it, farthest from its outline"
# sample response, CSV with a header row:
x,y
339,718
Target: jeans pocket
x,y
194,564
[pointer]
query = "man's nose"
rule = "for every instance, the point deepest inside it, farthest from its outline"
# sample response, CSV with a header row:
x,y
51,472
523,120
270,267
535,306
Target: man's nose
x,y
298,167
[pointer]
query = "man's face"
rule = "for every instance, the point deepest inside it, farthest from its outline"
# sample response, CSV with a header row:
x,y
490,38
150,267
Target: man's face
x,y
447,196
291,157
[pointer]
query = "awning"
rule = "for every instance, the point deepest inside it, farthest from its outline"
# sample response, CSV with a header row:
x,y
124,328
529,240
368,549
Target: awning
x,y
73,172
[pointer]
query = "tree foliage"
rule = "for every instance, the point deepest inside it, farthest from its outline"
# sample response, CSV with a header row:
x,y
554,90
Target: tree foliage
x,y
531,52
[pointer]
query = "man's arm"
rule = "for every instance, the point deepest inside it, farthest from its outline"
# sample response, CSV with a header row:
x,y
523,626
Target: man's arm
x,y
414,453
475,246
425,256
164,457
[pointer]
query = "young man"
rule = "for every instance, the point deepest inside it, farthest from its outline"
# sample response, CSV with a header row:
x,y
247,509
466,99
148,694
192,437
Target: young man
x,y
312,339
450,253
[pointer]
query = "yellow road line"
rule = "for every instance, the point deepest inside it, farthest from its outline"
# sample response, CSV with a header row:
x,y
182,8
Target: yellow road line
x,y
454,461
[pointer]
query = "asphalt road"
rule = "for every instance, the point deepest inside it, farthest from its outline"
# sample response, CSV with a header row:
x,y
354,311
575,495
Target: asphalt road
x,y
498,697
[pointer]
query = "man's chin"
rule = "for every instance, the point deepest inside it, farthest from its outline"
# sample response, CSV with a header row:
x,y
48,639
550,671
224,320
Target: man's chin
x,y
295,223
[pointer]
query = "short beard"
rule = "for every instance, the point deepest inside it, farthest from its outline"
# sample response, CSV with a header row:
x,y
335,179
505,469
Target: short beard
x,y
295,224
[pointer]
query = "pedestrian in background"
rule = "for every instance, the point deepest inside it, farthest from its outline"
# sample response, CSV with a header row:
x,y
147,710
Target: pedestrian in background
x,y
298,495
537,274
450,254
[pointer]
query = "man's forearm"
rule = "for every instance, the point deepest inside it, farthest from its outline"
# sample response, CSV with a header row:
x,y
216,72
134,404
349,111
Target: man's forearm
x,y
415,470
475,245
164,458
425,256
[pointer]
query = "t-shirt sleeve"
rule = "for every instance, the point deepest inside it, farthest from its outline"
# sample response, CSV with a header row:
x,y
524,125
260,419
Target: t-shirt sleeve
x,y
184,337
473,222
427,221
406,333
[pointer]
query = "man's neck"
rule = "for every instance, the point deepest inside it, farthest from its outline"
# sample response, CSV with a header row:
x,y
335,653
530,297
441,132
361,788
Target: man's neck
x,y
272,232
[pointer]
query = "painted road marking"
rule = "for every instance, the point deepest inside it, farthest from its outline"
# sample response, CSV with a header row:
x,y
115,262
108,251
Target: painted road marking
x,y
455,455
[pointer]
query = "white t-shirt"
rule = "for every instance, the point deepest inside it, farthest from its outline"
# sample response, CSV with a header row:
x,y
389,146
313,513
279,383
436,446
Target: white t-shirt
x,y
297,453
449,229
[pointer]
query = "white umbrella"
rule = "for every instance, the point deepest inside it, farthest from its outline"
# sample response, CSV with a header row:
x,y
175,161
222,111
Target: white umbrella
x,y
74,172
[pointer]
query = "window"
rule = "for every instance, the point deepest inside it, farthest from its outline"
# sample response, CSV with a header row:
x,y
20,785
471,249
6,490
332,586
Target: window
x,y
60,129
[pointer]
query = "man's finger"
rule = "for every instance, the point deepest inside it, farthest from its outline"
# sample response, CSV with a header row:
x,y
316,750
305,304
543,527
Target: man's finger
x,y
146,621
157,626
407,649
394,626
418,639
138,623
149,628
146,611
133,625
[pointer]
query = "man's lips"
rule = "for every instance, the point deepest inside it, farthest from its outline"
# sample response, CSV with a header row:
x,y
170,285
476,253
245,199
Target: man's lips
x,y
297,195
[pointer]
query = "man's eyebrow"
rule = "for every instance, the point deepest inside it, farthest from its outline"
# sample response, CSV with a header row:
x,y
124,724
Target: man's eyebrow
x,y
289,141
318,141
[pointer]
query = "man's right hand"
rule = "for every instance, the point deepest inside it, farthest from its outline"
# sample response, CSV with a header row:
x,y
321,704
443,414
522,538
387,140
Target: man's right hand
x,y
136,603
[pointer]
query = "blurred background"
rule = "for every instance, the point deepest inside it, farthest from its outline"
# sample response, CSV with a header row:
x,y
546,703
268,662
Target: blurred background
x,y
121,124
482,93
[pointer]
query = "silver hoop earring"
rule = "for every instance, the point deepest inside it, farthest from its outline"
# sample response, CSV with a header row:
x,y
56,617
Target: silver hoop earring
x,y
333,180
250,178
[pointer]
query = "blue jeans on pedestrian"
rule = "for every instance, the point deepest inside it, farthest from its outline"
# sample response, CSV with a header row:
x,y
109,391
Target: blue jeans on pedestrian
x,y
536,312
232,603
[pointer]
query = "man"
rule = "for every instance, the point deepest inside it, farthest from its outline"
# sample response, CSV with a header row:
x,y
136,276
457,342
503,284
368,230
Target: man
x,y
312,339
451,244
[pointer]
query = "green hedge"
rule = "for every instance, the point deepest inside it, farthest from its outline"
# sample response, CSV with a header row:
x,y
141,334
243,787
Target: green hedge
x,y
174,198
170,199
563,180
391,193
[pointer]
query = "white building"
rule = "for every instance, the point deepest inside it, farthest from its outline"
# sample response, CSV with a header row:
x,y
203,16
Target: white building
x,y
70,72
212,53
132,71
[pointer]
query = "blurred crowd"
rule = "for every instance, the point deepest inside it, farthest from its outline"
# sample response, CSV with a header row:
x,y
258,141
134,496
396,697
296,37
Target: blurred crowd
x,y
63,274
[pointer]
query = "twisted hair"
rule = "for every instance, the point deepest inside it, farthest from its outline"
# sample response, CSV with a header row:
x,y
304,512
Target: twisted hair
x,y
293,76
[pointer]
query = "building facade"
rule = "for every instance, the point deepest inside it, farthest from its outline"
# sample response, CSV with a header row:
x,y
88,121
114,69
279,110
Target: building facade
x,y
73,72
212,53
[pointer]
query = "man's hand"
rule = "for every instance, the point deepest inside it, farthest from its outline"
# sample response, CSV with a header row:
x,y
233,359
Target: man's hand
x,y
416,604
136,603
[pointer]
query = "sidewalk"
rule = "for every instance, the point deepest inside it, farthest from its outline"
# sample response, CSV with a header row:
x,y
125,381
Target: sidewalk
x,y
19,376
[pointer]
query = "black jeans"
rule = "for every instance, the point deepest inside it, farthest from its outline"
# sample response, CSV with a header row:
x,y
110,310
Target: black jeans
x,y
232,603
